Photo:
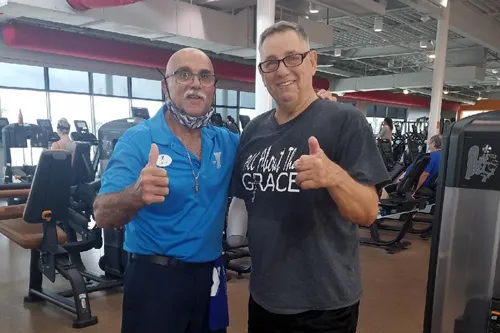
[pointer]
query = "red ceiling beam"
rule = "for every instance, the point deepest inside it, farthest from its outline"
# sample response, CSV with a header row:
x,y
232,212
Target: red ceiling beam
x,y
387,97
82,5
28,37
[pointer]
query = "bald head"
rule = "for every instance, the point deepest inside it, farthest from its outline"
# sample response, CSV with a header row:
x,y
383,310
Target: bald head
x,y
190,81
188,55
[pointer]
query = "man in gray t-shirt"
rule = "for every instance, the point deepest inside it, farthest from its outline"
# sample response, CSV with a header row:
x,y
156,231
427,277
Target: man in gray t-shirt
x,y
308,173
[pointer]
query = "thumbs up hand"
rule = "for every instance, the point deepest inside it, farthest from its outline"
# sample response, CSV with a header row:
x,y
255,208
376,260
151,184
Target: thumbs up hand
x,y
315,170
153,181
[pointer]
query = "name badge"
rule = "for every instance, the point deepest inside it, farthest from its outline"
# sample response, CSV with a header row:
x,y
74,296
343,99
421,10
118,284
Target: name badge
x,y
163,161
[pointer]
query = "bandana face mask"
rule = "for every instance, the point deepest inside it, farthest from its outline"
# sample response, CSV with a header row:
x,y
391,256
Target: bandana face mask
x,y
192,122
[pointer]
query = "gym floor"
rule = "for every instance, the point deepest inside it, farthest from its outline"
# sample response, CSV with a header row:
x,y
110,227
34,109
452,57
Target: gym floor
x,y
393,302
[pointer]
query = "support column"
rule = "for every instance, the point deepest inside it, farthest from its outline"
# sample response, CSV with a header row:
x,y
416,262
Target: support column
x,y
265,18
439,69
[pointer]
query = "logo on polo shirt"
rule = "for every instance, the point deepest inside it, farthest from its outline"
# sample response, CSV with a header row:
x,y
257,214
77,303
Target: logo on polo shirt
x,y
217,159
163,161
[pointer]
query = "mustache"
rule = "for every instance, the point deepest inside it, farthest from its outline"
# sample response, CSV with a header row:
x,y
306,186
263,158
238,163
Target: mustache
x,y
195,93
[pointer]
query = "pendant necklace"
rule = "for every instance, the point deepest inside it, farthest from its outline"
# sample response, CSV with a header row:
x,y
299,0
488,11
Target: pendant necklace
x,y
196,186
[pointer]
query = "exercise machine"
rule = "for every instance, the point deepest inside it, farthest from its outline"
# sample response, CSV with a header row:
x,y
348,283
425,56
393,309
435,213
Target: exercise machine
x,y
140,113
401,207
37,231
83,134
463,288
46,126
23,145
115,259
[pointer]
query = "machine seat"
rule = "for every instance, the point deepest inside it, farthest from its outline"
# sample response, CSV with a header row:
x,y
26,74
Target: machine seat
x,y
27,235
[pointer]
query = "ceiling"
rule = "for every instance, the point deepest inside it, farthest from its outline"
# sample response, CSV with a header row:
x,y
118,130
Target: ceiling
x,y
357,51
395,49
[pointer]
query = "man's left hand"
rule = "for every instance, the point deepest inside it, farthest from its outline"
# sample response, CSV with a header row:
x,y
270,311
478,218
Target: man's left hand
x,y
323,94
315,170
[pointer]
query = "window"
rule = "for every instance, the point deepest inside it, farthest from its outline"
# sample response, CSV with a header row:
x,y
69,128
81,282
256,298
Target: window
x,y
224,112
68,80
149,89
21,76
152,106
111,85
70,106
33,105
110,108
252,113
225,97
247,99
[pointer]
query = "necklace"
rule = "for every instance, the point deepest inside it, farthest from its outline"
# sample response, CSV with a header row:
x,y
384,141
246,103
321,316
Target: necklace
x,y
196,186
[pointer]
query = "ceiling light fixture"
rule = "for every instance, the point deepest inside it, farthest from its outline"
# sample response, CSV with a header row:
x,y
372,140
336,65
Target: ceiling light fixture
x,y
444,3
378,24
494,71
313,8
424,44
446,92
432,56
406,91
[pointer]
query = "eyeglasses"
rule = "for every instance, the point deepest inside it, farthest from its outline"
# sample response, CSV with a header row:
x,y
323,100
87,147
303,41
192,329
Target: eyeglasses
x,y
206,79
293,60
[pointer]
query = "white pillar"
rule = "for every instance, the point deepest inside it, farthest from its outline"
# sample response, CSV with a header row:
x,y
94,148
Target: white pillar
x,y
439,69
265,18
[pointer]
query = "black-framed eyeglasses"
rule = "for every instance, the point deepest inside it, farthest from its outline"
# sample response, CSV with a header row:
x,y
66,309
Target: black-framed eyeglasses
x,y
292,60
184,76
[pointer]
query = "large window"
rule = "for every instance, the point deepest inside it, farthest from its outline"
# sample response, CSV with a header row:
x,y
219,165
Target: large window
x,y
110,108
224,112
33,105
148,89
68,80
111,85
247,100
225,97
21,76
152,106
70,106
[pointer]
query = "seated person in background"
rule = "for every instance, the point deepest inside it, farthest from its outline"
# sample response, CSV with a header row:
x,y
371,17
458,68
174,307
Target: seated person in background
x,y
430,173
65,142
387,127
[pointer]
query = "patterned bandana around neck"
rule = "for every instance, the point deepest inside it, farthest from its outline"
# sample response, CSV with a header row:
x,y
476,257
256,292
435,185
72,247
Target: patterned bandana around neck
x,y
186,120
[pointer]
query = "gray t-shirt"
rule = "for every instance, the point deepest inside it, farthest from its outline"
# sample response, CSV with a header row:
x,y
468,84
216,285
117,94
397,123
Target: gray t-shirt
x,y
305,255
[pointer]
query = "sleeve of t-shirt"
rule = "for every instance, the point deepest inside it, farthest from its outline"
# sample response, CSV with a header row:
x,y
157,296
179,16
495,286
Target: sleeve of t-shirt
x,y
125,165
432,164
358,153
236,189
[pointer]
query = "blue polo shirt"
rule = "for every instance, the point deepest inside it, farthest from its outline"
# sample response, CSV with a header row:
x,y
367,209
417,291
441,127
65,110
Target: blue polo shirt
x,y
185,226
432,168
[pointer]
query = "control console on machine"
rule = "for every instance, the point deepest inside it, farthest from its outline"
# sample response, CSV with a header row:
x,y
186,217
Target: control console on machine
x,y
3,122
46,126
140,113
82,133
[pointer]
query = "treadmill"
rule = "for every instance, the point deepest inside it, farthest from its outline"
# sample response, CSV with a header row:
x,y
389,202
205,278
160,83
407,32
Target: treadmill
x,y
463,290
46,126
83,134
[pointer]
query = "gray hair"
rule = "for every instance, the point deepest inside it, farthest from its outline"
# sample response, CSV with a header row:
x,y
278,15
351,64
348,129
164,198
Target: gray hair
x,y
436,140
283,26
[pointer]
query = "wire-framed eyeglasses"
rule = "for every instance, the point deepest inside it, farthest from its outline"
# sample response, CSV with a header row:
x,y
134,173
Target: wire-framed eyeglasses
x,y
292,60
184,76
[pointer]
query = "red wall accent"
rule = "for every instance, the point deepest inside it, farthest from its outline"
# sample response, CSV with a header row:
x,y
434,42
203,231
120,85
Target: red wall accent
x,y
387,97
27,37
83,5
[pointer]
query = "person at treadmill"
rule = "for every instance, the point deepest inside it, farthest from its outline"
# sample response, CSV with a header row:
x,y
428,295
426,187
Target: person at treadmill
x,y
65,142
307,174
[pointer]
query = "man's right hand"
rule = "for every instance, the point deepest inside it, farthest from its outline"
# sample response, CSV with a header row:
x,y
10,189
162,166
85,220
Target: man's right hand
x,y
153,182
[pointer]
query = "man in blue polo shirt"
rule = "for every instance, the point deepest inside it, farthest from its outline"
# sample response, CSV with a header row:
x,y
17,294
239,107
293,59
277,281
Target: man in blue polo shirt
x,y
167,183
